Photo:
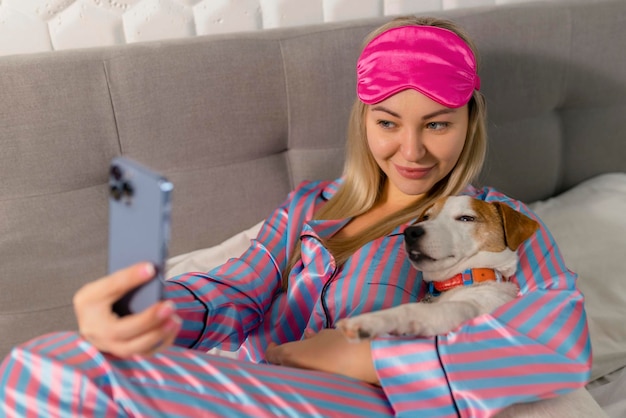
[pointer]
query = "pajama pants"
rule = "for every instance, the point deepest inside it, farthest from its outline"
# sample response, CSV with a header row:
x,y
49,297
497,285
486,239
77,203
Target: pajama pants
x,y
62,375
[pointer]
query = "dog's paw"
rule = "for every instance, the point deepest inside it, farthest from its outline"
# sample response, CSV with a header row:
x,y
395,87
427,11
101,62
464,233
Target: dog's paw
x,y
363,327
407,319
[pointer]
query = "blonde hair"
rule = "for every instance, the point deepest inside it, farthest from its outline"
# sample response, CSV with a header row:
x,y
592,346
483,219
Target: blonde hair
x,y
364,180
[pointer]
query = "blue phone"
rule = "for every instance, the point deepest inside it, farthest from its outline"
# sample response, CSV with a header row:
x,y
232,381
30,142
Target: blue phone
x,y
139,228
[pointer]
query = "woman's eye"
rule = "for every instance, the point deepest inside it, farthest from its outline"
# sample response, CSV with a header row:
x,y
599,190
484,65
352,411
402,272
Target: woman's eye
x,y
385,124
466,218
437,126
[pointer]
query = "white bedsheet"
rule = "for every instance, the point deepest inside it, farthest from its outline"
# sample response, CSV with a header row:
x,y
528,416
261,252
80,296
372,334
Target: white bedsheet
x,y
610,393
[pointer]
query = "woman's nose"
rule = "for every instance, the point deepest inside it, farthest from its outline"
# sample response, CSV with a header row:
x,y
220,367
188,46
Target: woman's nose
x,y
412,146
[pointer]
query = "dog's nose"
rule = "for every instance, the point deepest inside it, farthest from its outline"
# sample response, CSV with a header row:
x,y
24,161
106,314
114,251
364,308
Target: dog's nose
x,y
412,234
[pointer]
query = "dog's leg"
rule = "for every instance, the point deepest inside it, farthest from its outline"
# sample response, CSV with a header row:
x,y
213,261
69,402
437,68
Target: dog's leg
x,y
410,319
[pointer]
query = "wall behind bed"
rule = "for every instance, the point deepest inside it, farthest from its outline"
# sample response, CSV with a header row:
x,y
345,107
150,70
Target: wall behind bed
x,y
28,26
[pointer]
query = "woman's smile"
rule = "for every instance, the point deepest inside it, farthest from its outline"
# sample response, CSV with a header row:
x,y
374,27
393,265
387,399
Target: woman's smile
x,y
412,173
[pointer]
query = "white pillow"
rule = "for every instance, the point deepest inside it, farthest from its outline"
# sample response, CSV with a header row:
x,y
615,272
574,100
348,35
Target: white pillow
x,y
589,225
207,258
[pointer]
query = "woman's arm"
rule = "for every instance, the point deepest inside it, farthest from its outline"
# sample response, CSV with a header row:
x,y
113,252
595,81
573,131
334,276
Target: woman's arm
x,y
199,309
327,351
225,304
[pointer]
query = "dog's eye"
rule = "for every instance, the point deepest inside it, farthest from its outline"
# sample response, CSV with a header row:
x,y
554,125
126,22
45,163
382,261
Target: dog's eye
x,y
466,218
425,218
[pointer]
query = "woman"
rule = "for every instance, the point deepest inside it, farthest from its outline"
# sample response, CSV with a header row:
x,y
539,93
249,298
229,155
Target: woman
x,y
332,250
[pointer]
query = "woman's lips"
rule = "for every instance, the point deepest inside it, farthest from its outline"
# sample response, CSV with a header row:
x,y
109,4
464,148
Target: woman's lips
x,y
412,173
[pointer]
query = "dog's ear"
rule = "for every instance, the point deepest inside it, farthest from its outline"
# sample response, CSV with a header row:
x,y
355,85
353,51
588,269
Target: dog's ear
x,y
517,226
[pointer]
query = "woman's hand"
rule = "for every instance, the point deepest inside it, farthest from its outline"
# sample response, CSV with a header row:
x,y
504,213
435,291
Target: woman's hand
x,y
327,351
144,333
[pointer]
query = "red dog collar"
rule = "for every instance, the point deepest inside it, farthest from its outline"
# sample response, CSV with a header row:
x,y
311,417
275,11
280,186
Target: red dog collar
x,y
467,278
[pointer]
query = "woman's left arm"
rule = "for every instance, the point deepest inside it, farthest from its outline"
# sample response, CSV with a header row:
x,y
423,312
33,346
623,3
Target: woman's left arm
x,y
327,351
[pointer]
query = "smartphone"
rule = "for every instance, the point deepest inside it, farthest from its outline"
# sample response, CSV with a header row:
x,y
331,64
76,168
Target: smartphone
x,y
139,228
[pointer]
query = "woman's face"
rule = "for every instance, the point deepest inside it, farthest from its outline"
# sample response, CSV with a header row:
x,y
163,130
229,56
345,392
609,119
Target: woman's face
x,y
415,141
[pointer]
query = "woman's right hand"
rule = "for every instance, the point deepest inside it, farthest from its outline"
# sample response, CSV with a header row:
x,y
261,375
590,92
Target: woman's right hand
x,y
143,333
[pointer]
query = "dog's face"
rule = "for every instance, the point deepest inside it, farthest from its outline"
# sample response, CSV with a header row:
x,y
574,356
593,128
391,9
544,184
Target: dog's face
x,y
457,229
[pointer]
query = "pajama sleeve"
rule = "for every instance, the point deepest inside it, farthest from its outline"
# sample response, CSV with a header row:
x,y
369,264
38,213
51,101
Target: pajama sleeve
x,y
222,306
534,347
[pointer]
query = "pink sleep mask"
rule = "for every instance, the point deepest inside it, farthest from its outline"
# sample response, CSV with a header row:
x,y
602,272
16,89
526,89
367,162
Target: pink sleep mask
x,y
434,61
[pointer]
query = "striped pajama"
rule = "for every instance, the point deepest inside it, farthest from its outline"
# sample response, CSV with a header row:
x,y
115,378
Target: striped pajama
x,y
534,347
61,375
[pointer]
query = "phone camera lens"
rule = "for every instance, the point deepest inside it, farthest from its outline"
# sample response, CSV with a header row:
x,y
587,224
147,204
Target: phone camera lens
x,y
116,192
116,172
127,189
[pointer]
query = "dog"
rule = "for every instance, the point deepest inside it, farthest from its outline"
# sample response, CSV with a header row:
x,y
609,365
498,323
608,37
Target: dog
x,y
466,250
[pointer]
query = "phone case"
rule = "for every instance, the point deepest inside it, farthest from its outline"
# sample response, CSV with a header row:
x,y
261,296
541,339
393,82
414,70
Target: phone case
x,y
139,225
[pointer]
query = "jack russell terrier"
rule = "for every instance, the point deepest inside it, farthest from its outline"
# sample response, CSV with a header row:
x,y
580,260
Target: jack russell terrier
x,y
466,250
